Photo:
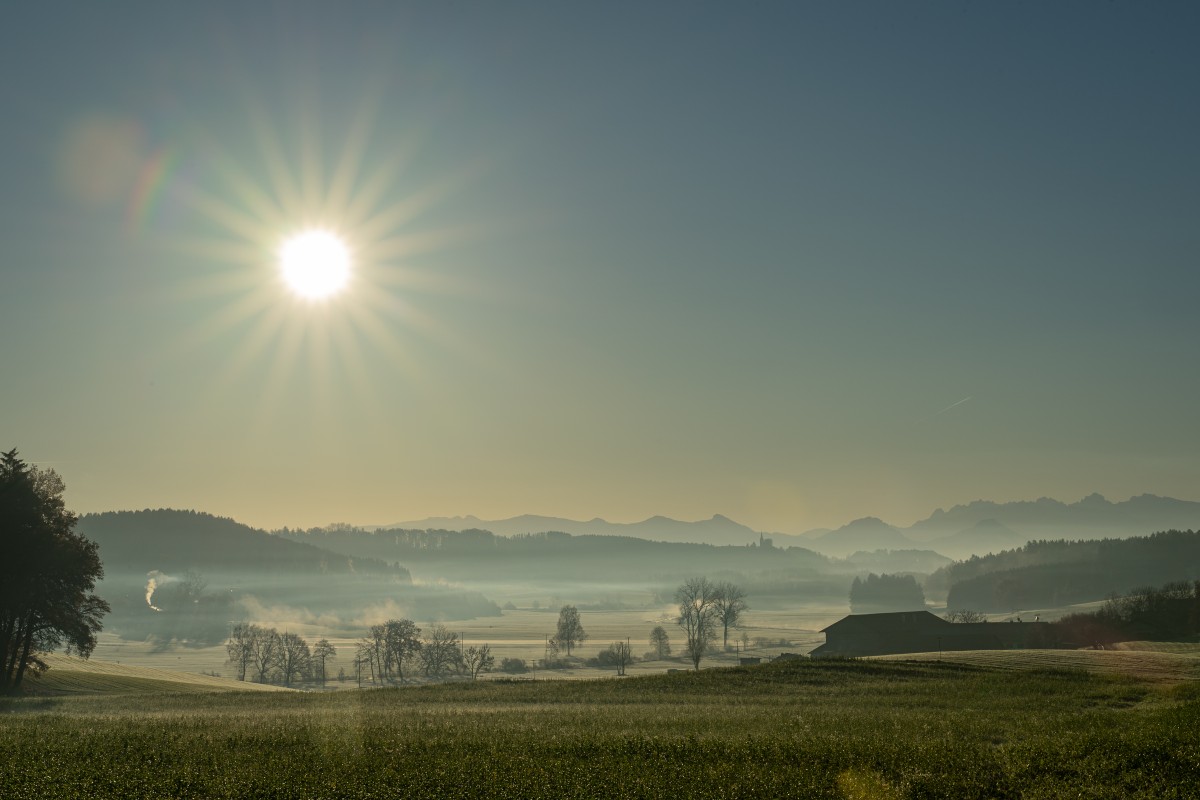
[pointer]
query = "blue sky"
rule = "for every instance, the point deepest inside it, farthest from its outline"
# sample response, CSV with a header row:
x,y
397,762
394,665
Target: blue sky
x,y
610,261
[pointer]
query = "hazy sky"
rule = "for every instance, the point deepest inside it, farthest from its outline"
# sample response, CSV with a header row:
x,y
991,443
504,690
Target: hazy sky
x,y
610,260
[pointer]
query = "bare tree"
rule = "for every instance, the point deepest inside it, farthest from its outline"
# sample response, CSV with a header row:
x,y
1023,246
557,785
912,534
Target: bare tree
x,y
440,652
294,657
965,615
364,660
401,641
730,602
660,642
377,635
477,660
264,651
570,630
696,599
323,651
622,655
240,648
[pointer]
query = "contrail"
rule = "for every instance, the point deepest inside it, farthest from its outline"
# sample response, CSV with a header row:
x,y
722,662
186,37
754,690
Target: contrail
x,y
944,410
952,405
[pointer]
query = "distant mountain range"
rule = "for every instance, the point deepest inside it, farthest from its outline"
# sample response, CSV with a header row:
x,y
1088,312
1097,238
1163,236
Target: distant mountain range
x,y
1045,518
979,527
868,533
718,530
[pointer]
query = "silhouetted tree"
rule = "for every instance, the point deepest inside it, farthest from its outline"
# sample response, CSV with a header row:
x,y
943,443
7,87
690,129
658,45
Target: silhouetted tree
x,y
401,642
730,602
377,637
264,651
47,573
570,629
240,648
661,642
440,652
477,660
364,660
621,655
322,651
696,600
965,615
293,657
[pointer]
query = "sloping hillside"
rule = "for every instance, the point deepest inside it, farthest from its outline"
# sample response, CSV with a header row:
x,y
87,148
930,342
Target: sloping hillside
x,y
173,541
1057,573
69,675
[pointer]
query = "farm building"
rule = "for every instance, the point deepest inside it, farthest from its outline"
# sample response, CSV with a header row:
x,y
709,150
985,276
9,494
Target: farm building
x,y
923,632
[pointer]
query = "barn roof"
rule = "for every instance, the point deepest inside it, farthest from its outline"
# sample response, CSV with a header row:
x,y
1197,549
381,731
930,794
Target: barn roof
x,y
888,622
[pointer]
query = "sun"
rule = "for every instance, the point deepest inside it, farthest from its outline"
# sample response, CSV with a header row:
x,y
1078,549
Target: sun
x,y
315,264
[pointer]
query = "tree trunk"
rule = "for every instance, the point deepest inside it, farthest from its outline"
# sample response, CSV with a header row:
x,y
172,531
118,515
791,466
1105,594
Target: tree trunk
x,y
28,643
6,631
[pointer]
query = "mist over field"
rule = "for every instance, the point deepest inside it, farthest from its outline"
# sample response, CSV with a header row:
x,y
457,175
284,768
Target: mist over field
x,y
178,580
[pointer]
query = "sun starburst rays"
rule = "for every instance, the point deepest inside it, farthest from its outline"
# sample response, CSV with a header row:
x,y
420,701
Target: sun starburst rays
x,y
277,337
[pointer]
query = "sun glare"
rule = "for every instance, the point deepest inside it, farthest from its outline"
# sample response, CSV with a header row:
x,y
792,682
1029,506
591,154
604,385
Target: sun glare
x,y
315,264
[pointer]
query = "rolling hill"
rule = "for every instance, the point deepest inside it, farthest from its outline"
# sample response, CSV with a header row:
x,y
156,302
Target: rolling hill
x,y
173,541
76,676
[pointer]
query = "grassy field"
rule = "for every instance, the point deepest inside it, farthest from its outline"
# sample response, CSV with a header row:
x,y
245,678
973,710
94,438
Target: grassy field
x,y
1163,662
852,729
73,676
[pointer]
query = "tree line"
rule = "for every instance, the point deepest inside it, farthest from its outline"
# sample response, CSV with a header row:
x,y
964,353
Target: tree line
x,y
268,656
1169,613
1057,573
885,593
383,653
394,651
705,608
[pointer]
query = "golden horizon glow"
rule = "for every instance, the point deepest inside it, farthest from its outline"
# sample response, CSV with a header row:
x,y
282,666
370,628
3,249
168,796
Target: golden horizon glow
x,y
315,264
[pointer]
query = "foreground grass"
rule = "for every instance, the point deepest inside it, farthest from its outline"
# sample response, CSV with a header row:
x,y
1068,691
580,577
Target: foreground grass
x,y
797,729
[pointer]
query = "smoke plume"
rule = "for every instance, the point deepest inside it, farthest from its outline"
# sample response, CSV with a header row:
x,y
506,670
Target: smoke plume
x,y
154,579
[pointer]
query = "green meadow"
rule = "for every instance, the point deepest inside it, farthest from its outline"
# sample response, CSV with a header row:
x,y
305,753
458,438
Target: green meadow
x,y
836,729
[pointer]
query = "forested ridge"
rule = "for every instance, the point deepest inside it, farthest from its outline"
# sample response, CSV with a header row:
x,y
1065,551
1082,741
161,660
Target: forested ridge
x,y
1054,573
168,539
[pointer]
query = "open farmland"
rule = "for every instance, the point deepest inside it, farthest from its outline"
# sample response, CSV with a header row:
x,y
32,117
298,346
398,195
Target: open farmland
x,y
68,675
1142,663
836,729
514,634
